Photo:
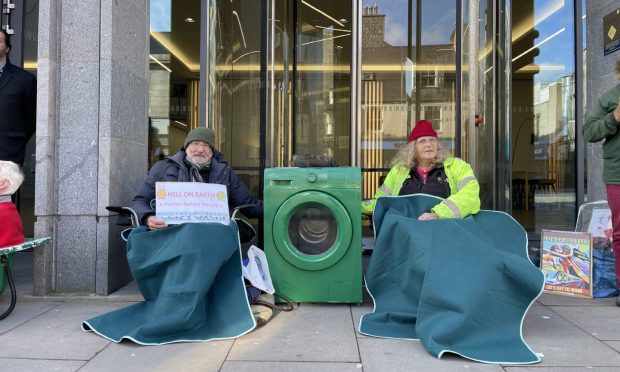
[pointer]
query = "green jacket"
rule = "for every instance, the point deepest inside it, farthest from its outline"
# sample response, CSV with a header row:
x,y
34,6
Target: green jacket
x,y
601,124
464,188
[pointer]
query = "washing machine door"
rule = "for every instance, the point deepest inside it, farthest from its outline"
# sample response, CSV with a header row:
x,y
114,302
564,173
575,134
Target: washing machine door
x,y
312,230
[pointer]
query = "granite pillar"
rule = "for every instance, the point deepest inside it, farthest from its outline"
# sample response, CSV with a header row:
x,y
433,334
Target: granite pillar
x,y
92,124
600,77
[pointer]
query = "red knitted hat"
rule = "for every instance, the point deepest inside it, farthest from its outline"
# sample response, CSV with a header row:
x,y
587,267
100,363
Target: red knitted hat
x,y
423,128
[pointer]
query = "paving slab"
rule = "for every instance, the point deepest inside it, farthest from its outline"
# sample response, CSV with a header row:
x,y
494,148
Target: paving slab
x,y
43,333
57,334
560,369
614,345
17,365
602,322
25,295
564,344
380,355
357,312
23,312
236,366
548,299
312,332
187,356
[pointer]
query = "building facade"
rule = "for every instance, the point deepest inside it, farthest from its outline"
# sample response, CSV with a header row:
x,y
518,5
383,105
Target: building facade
x,y
120,84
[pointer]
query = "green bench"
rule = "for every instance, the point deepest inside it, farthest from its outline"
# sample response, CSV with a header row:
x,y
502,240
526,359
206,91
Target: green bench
x,y
7,256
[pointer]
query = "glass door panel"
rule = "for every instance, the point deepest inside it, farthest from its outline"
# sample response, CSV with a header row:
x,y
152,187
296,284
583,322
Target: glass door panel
x,y
234,85
174,70
323,79
408,74
543,114
280,66
478,108
309,75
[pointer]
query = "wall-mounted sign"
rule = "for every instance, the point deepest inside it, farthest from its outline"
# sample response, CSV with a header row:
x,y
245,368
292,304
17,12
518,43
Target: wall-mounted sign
x,y
611,31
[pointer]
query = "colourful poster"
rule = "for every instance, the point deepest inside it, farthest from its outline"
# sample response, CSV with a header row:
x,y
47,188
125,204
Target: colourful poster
x,y
180,202
566,262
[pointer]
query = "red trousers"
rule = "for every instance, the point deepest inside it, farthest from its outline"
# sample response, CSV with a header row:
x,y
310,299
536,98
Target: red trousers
x,y
613,199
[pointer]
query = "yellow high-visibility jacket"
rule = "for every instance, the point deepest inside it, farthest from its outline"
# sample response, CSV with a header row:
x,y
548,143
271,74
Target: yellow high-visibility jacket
x,y
464,196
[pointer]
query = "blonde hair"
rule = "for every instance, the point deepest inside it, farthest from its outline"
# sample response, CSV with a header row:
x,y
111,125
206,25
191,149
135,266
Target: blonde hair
x,y
407,157
13,173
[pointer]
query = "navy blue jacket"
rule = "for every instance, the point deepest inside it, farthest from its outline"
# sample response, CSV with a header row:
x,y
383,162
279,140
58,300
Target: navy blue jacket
x,y
18,106
174,169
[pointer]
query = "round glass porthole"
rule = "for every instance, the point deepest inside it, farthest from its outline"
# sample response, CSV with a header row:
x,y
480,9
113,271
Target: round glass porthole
x,y
313,229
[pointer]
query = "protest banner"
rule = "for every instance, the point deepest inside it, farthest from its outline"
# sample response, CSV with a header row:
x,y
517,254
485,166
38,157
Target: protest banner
x,y
180,202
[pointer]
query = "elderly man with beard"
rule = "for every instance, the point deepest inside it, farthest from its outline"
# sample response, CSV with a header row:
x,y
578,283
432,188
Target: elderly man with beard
x,y
197,161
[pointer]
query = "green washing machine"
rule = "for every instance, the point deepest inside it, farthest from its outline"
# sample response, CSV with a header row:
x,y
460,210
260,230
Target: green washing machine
x,y
312,219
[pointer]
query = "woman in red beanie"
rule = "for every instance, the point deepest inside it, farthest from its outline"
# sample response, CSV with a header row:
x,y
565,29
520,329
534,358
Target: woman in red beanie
x,y
421,167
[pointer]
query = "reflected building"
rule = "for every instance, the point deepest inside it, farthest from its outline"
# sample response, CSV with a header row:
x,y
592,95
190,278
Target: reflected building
x,y
396,93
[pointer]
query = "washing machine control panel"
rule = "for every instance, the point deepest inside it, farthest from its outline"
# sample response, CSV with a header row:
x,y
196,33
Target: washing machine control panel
x,y
312,177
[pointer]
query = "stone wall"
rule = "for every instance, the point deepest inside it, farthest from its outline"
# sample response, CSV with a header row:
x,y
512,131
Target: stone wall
x,y
91,138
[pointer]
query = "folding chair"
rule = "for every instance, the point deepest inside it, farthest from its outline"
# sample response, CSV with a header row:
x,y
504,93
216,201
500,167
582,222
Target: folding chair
x,y
7,256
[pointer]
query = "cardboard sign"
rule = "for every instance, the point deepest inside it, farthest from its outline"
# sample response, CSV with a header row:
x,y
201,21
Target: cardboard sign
x,y
566,262
180,202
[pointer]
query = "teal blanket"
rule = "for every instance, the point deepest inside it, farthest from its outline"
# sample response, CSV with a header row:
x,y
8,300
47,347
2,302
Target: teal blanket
x,y
190,277
459,286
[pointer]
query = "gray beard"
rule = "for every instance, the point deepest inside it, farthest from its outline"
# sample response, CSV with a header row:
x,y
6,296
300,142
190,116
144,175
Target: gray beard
x,y
195,168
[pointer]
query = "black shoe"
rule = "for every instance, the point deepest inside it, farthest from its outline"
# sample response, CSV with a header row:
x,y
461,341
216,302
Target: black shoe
x,y
618,301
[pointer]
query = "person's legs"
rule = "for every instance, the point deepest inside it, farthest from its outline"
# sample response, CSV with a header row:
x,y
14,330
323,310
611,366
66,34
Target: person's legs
x,y
613,199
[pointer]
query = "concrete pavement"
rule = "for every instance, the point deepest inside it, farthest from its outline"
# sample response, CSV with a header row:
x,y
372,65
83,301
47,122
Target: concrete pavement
x,y
44,334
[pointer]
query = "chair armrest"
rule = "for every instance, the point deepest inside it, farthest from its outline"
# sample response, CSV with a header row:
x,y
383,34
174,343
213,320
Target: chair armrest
x,y
125,211
238,208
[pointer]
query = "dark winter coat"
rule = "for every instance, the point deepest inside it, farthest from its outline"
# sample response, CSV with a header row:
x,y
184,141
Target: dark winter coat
x,y
18,105
601,124
174,169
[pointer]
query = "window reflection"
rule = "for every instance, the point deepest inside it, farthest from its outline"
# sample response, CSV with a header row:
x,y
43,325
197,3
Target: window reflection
x,y
234,85
323,79
481,117
310,44
174,73
408,74
543,113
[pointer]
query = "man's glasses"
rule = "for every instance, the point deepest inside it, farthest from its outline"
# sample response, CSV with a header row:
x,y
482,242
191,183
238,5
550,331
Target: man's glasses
x,y
199,144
